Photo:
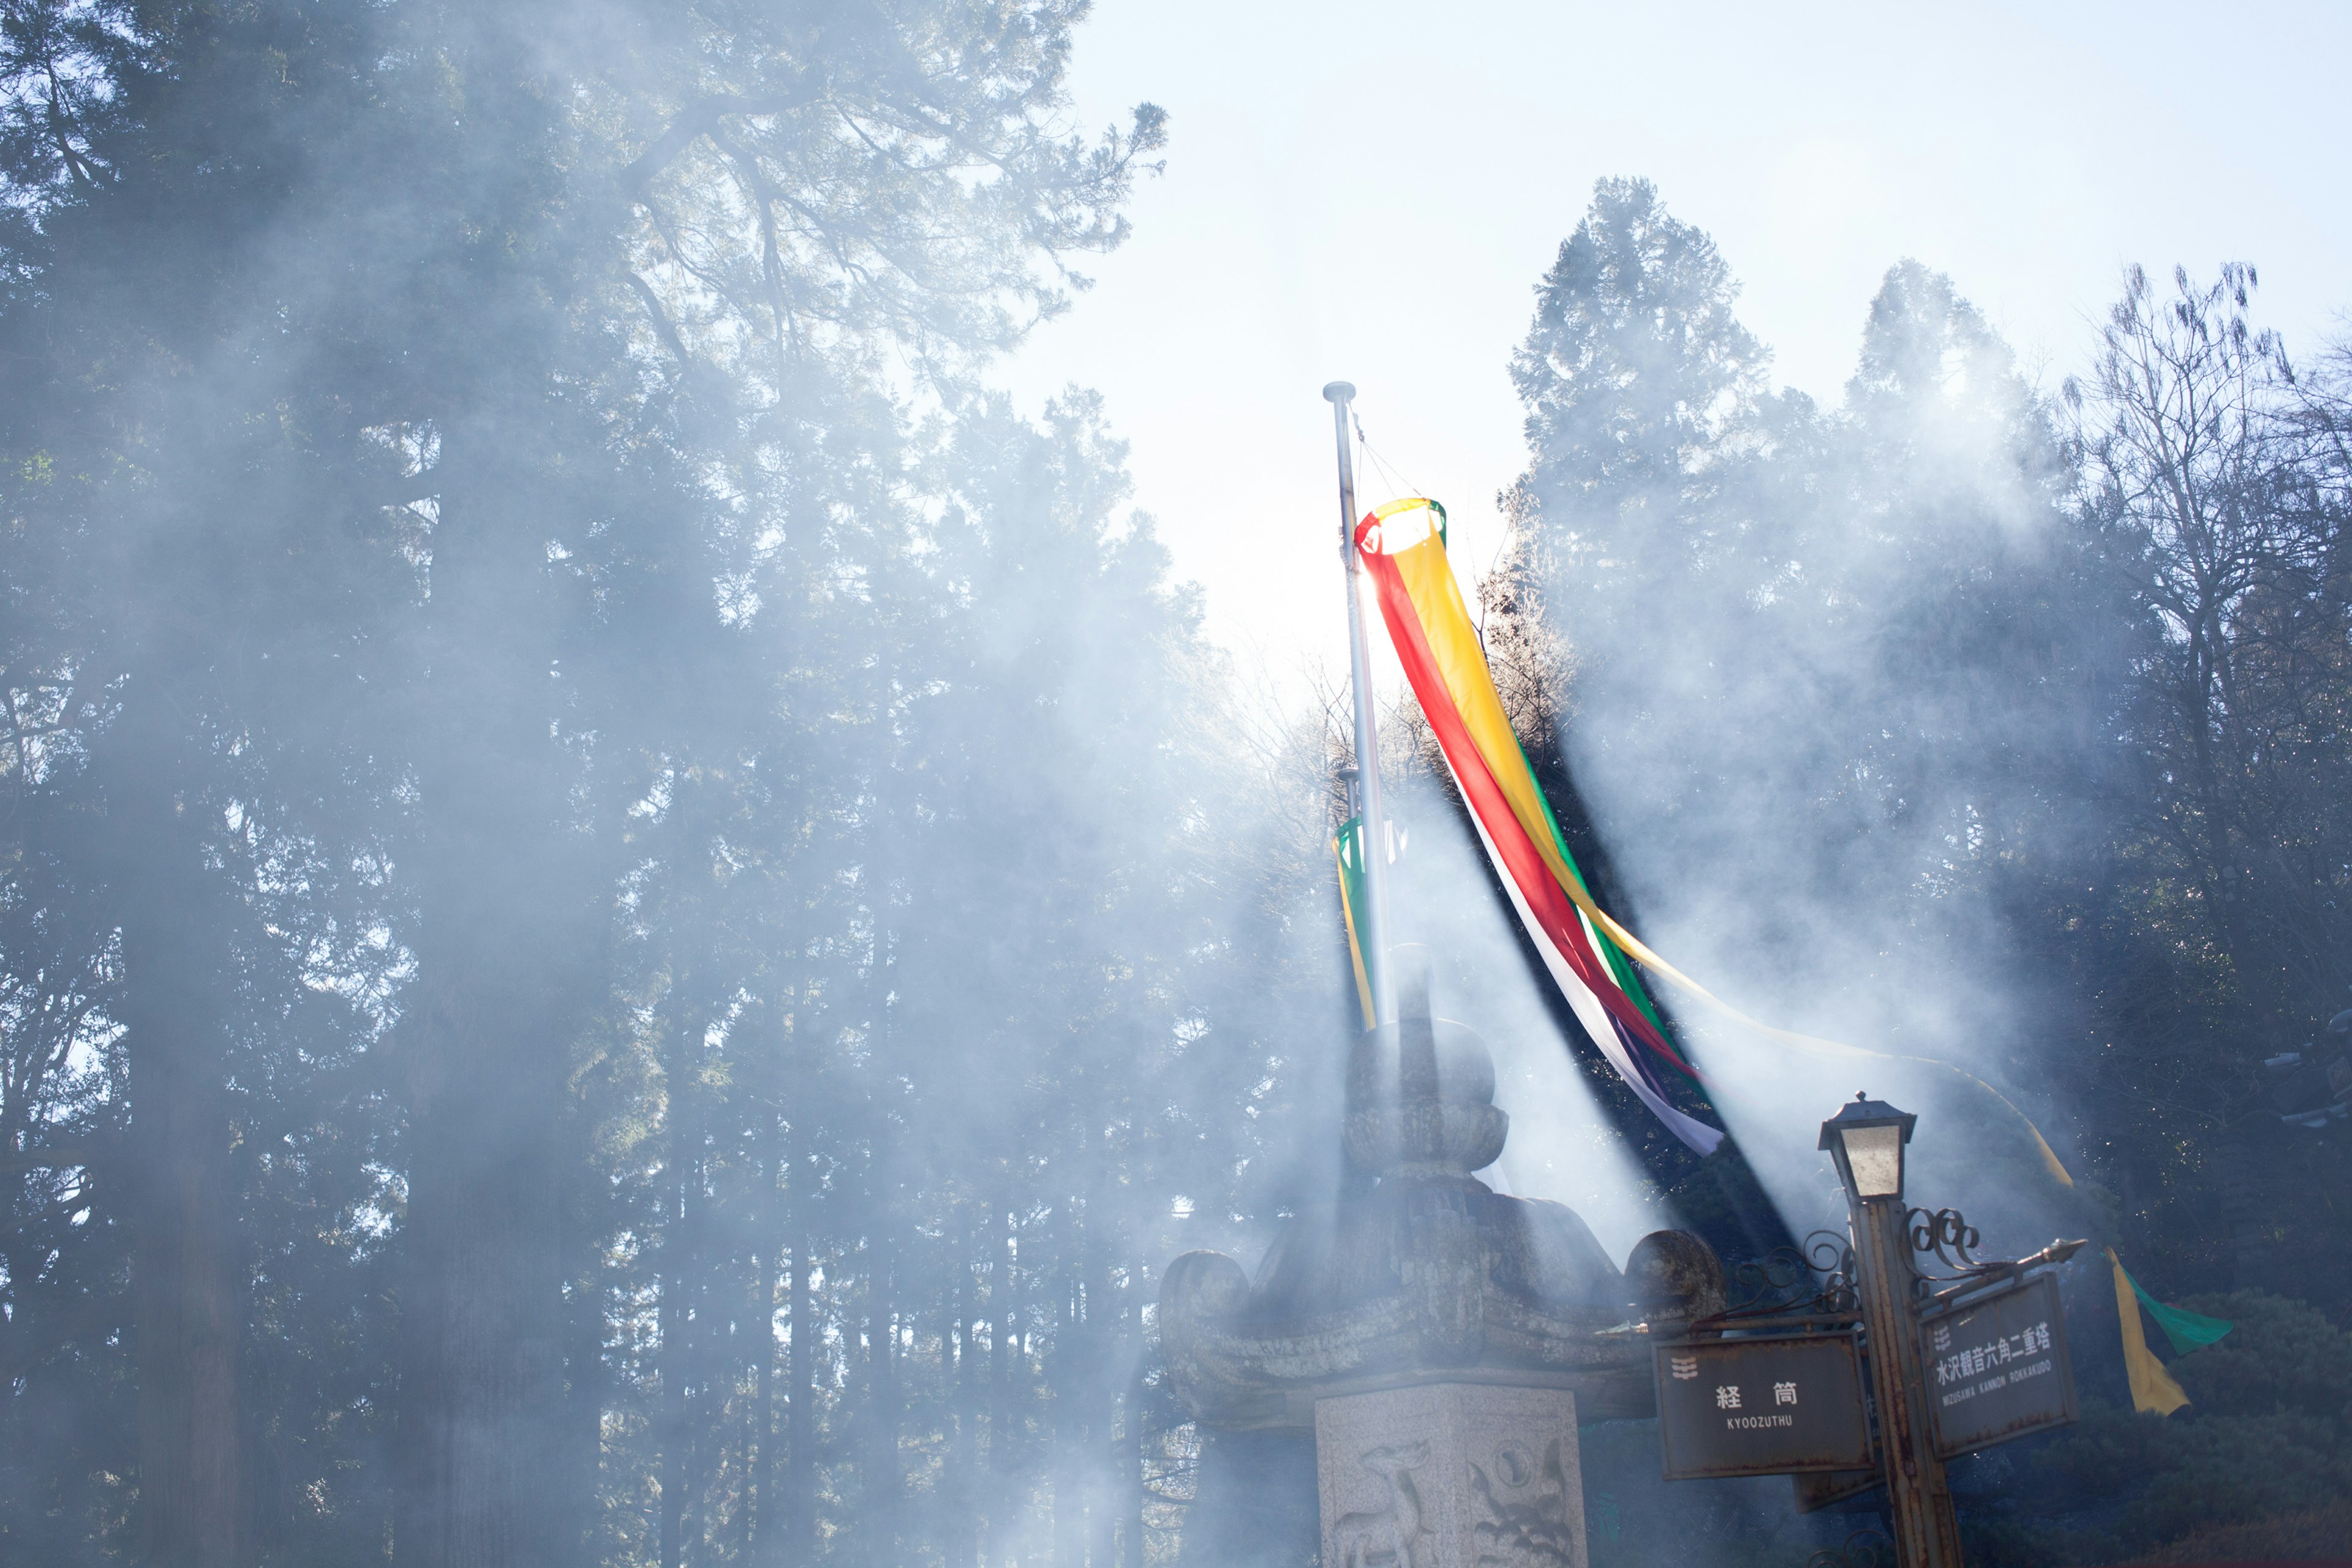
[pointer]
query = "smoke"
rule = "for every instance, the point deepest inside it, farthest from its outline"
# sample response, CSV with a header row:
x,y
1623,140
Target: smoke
x,y
1833,673
652,909
672,894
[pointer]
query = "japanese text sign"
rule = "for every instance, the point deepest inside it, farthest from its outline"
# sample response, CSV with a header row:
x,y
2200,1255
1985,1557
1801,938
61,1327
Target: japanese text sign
x,y
1996,1367
1761,1406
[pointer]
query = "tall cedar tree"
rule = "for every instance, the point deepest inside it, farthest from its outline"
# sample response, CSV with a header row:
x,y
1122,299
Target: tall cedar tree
x,y
338,330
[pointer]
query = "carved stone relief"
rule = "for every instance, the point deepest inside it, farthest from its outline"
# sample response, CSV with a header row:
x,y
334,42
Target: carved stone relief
x,y
1450,1476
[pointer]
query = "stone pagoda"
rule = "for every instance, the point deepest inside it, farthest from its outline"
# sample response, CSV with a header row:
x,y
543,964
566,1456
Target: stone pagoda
x,y
1439,1338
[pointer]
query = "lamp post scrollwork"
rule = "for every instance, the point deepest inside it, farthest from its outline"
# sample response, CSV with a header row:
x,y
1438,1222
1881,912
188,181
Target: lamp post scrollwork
x,y
1946,1228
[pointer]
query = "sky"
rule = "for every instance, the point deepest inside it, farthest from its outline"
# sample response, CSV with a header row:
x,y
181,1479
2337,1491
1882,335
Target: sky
x,y
1373,191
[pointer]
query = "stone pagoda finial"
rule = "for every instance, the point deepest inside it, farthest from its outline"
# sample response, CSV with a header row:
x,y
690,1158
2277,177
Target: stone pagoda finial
x,y
1420,1090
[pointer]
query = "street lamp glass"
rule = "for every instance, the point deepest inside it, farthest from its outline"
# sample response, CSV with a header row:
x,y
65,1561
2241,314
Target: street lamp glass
x,y
1874,1155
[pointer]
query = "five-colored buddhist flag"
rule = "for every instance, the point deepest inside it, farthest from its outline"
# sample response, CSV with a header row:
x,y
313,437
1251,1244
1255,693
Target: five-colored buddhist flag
x,y
1434,639
1590,953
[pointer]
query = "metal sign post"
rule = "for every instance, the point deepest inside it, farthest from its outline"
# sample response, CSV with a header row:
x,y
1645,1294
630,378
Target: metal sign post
x,y
1774,1384
1919,1500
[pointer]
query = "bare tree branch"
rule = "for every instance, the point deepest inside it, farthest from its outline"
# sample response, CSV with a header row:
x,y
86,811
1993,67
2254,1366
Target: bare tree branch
x,y
699,118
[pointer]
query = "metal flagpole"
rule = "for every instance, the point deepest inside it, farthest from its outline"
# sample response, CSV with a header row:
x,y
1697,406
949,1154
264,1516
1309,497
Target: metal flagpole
x,y
1368,750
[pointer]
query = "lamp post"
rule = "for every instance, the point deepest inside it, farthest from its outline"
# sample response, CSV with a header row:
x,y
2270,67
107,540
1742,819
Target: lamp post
x,y
1866,1140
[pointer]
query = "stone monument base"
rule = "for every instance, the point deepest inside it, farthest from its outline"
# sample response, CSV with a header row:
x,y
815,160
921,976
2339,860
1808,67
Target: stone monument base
x,y
1450,1475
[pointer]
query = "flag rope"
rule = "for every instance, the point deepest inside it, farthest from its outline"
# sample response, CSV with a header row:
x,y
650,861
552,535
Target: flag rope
x,y
1813,1043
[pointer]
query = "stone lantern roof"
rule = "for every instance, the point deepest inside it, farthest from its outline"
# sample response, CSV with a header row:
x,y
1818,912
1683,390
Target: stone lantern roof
x,y
1430,1276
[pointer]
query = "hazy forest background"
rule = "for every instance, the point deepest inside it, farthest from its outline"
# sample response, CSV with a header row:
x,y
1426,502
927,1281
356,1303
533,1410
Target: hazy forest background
x,y
633,915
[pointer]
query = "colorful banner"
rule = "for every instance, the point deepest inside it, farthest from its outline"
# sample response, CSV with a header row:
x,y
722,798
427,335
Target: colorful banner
x,y
1590,955
1438,644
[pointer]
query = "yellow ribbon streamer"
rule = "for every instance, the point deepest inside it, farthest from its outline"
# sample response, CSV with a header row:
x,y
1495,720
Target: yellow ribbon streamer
x,y
2152,1387
1461,659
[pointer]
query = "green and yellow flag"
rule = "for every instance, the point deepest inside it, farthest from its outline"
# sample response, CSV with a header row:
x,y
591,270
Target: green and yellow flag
x,y
1355,902
2152,1387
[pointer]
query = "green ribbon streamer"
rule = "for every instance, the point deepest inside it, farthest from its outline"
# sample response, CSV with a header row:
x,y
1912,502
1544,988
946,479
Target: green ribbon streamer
x,y
2188,1330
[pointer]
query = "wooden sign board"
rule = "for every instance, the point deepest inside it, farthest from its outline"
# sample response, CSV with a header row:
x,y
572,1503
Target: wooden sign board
x,y
1996,1367
1763,1406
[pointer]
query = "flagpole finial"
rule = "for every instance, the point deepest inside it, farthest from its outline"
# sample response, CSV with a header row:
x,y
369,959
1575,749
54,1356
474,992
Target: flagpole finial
x,y
1339,391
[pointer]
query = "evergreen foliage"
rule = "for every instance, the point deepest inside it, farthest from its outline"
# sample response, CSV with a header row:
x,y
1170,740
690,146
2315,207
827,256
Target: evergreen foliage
x,y
614,939
2004,728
